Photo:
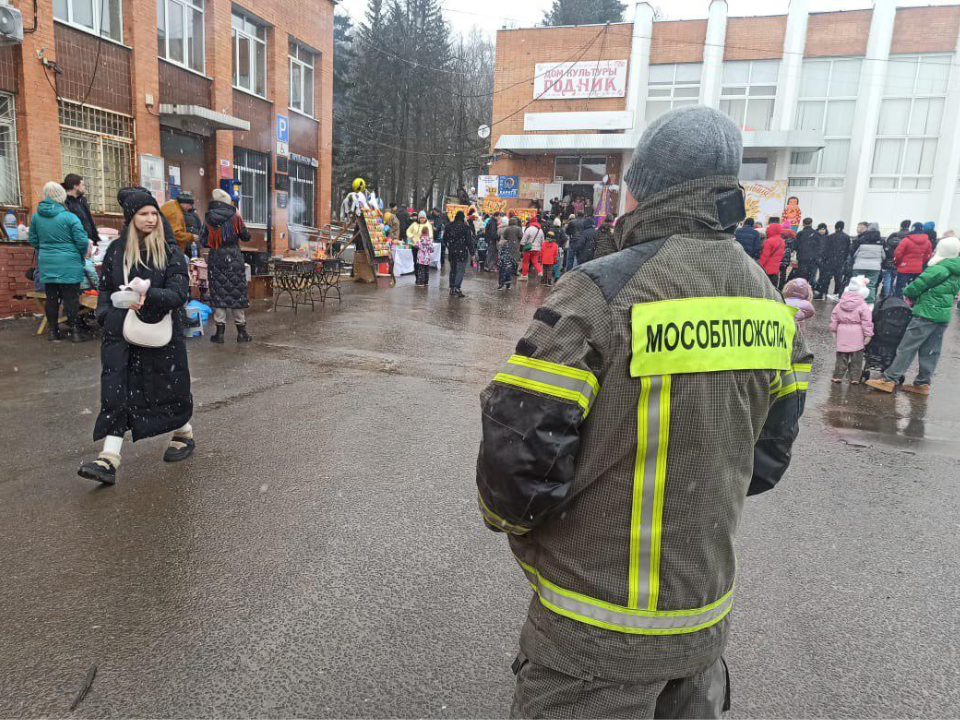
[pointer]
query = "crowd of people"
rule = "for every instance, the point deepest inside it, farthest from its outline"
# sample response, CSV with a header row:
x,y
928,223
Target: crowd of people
x,y
543,247
894,294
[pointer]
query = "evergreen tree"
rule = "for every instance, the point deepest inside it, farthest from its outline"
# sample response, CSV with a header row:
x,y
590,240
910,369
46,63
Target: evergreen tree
x,y
408,102
583,12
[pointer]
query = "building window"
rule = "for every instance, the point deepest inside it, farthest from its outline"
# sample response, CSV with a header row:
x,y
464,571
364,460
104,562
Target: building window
x,y
573,168
101,17
303,194
180,32
249,56
252,170
749,92
97,144
828,100
9,165
672,86
908,129
302,63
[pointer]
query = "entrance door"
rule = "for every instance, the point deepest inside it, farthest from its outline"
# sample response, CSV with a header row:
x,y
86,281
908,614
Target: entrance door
x,y
551,191
187,153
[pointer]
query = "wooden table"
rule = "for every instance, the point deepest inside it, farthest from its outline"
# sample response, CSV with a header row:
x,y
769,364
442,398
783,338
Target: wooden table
x,y
87,303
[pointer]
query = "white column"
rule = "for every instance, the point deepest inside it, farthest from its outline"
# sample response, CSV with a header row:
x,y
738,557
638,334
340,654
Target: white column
x,y
788,81
712,77
947,166
639,73
872,79
624,166
637,83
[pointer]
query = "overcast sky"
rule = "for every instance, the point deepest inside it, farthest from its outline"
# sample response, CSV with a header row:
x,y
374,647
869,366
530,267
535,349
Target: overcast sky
x,y
464,14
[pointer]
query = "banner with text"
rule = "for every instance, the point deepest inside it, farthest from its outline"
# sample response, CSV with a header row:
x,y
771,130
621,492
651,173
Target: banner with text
x,y
487,185
570,80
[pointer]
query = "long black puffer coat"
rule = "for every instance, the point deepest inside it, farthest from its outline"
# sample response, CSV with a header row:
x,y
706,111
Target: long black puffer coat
x,y
143,390
223,232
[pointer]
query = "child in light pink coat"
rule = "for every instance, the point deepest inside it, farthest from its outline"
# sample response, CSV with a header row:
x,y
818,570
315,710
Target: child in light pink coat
x,y
797,294
852,324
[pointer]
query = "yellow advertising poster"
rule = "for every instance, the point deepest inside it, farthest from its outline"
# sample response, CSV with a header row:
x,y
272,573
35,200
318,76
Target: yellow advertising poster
x,y
452,209
524,213
492,204
764,199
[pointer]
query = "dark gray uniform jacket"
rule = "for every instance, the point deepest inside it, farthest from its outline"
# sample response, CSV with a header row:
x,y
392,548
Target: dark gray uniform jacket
x,y
655,389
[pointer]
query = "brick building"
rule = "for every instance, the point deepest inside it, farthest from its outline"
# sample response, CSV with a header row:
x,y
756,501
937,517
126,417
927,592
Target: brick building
x,y
858,111
175,95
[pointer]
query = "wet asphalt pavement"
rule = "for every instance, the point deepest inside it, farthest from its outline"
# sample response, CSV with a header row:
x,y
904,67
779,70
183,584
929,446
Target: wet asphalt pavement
x,y
322,555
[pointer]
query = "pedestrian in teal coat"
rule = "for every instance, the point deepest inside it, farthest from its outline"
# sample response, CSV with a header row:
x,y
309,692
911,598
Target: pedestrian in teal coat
x,y
61,244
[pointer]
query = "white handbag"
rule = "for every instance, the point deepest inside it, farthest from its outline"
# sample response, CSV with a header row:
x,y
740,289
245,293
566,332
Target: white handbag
x,y
142,334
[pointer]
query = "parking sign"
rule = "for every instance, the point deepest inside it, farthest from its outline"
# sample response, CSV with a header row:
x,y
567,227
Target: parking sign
x,y
283,129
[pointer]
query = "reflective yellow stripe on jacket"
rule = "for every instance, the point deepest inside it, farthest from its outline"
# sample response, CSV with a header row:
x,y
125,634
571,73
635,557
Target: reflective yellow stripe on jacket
x,y
561,381
797,379
649,481
498,522
581,608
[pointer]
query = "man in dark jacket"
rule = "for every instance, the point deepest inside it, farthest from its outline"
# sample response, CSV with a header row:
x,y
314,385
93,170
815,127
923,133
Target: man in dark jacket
x,y
808,247
588,240
77,204
574,233
888,271
836,249
749,238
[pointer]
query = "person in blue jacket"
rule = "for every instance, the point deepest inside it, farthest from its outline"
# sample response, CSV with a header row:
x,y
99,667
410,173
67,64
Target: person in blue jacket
x,y
61,244
748,236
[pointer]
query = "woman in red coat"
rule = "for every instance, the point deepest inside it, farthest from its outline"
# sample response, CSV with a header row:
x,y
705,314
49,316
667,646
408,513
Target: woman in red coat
x,y
772,253
911,257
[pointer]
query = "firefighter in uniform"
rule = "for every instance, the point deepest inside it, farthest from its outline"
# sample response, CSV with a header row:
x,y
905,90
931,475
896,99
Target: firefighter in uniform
x,y
656,389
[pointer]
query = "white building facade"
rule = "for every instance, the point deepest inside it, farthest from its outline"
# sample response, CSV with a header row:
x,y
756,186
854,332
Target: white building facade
x,y
859,111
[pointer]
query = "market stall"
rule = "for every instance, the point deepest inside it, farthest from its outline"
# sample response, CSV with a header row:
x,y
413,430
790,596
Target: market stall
x,y
402,261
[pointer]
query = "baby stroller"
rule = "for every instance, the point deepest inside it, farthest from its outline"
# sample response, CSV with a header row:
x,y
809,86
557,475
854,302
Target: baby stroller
x,y
890,319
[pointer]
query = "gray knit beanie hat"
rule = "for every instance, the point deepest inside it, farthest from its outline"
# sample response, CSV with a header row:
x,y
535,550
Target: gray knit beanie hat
x,y
684,144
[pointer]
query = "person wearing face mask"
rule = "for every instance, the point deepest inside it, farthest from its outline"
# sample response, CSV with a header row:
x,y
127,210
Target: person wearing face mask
x,y
620,441
143,390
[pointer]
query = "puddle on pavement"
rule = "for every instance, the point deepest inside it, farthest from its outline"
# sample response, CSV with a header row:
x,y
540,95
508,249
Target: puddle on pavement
x,y
862,418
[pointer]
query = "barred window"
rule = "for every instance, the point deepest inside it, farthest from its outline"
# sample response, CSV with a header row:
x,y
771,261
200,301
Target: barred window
x,y
303,194
9,167
98,145
251,169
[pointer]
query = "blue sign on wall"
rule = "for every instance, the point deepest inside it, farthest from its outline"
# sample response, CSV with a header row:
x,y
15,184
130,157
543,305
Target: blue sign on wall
x,y
283,129
509,186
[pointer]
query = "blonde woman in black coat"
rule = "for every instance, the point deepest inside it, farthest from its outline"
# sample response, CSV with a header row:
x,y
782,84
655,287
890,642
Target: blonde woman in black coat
x,y
143,391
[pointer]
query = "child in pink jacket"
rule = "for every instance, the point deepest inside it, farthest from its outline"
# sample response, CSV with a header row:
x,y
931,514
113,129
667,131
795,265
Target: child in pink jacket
x,y
797,294
852,323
